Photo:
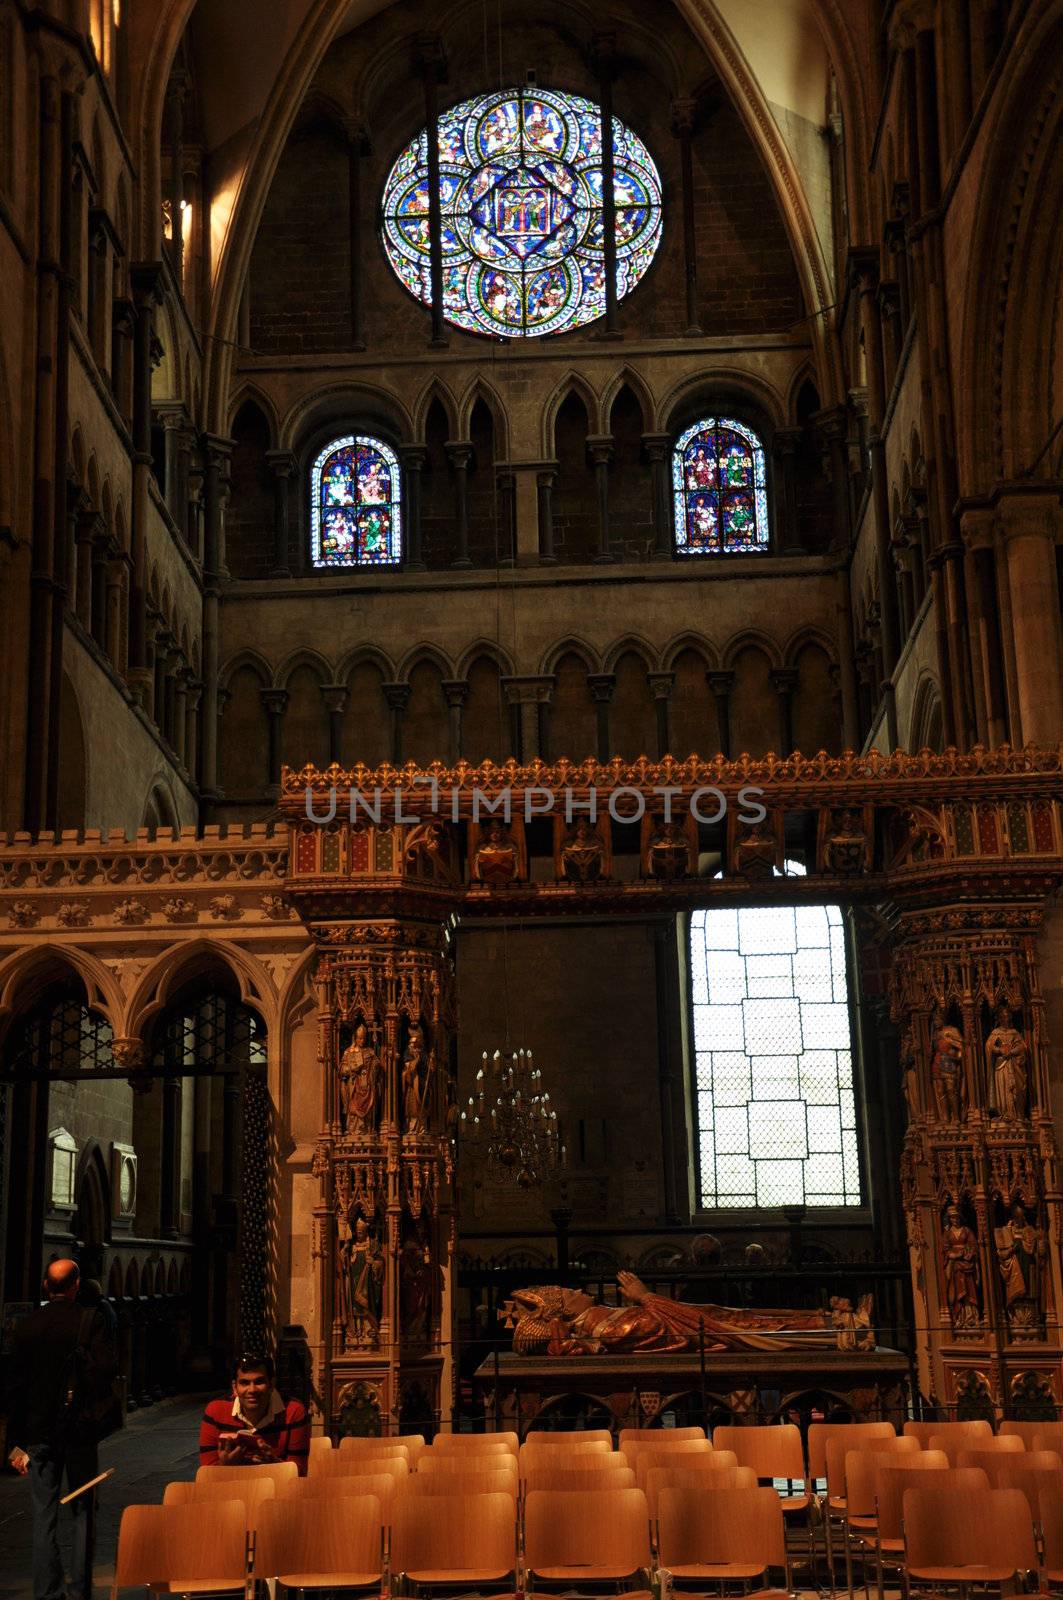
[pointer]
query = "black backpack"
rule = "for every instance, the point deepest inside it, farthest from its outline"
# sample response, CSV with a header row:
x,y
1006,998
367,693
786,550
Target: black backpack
x,y
89,1407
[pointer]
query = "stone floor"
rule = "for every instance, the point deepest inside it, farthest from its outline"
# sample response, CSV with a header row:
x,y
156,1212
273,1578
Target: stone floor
x,y
156,1445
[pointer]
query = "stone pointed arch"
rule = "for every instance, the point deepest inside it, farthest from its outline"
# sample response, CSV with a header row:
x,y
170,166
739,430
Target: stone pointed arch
x,y
339,404
809,635
725,381
435,389
247,657
572,382
169,972
570,646
751,638
249,390
695,642
303,657
424,652
26,973
482,389
493,651
360,654
628,378
631,644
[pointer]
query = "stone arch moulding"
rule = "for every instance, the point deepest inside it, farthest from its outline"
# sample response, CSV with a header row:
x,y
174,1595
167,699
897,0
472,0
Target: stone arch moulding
x,y
359,656
493,651
303,657
29,971
481,389
572,646
572,381
695,642
628,378
424,652
751,638
247,658
631,644
806,636
173,966
434,389
248,390
338,407
714,387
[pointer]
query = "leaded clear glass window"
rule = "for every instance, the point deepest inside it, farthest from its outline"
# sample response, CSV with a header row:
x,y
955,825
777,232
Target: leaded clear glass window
x,y
776,1110
719,489
520,189
356,504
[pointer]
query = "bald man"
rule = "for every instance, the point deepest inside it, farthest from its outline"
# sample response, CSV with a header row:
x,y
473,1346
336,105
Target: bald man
x,y
41,1352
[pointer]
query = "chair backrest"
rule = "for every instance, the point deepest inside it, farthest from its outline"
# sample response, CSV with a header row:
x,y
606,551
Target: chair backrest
x,y
894,1474
415,1444
251,1494
380,1485
475,1441
569,1478
448,1533
571,1436
975,1527
1031,1471
695,1479
352,1464
206,1540
320,1536
540,1455
923,1431
648,1461
607,1529
956,1444
666,1447
471,1481
1050,1516
456,1465
987,1453
319,1442
720,1527
351,1445
633,1435
1026,1431
838,1447
773,1451
1049,1436
855,1433
279,1471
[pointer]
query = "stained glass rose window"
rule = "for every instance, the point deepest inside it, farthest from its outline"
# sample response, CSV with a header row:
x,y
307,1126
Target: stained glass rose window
x,y
520,189
356,504
719,489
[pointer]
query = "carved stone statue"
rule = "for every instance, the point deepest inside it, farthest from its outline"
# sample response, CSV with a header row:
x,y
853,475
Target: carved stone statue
x,y
1006,1055
959,1261
414,1081
360,1078
756,851
910,1075
1021,1250
668,852
416,1274
847,846
946,1071
549,1320
362,1262
853,1328
496,854
582,853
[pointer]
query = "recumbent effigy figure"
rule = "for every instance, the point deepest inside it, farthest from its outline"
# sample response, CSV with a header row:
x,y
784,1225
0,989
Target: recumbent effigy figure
x,y
553,1321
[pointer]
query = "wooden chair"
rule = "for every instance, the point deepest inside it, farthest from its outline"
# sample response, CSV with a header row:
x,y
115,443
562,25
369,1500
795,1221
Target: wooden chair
x,y
450,1539
544,1455
319,1442
251,1494
978,1536
471,1480
893,1475
855,1433
475,1441
321,1543
1028,1470
382,1486
661,1449
637,1435
1050,1516
773,1451
456,1464
177,1547
726,1535
1049,1436
571,1436
279,1471
350,1464
1026,1431
923,1431
571,1479
956,1446
696,1480
648,1461
837,1446
381,1448
586,1535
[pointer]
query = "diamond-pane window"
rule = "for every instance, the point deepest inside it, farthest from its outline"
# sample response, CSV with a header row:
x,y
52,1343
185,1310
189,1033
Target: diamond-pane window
x,y
773,1058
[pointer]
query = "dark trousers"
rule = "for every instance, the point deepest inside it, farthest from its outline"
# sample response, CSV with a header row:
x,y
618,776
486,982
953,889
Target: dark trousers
x,y
48,1464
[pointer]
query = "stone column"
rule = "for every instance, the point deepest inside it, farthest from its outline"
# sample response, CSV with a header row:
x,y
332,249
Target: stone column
x,y
683,129
600,450
1029,523
784,446
113,618
658,448
900,544
335,698
274,704
170,1160
217,452
720,685
601,686
175,106
147,293
282,465
173,422
983,622
123,321
661,686
506,485
864,273
528,694
180,713
413,457
603,52
193,696
455,693
784,682
101,554
357,150
101,241
397,696
87,526
459,452
544,489
432,63
889,306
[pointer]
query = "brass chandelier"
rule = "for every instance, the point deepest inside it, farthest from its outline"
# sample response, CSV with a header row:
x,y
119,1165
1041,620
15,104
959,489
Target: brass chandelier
x,y
510,1122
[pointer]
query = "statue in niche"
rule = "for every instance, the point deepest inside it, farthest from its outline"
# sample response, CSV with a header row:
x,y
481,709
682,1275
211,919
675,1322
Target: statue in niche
x,y
496,855
360,1263
1021,1250
910,1074
360,1075
847,847
946,1071
416,1275
756,851
583,853
1007,1055
416,1072
668,852
960,1265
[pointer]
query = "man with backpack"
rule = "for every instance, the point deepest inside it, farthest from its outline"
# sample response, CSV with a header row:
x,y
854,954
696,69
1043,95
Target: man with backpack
x,y
59,1406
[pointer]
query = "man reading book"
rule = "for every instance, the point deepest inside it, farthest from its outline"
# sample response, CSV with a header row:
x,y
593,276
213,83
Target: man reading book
x,y
254,1424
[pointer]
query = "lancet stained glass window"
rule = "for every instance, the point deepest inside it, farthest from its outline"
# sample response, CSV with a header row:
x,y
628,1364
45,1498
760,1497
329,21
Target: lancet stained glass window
x,y
776,1111
520,189
356,504
719,489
